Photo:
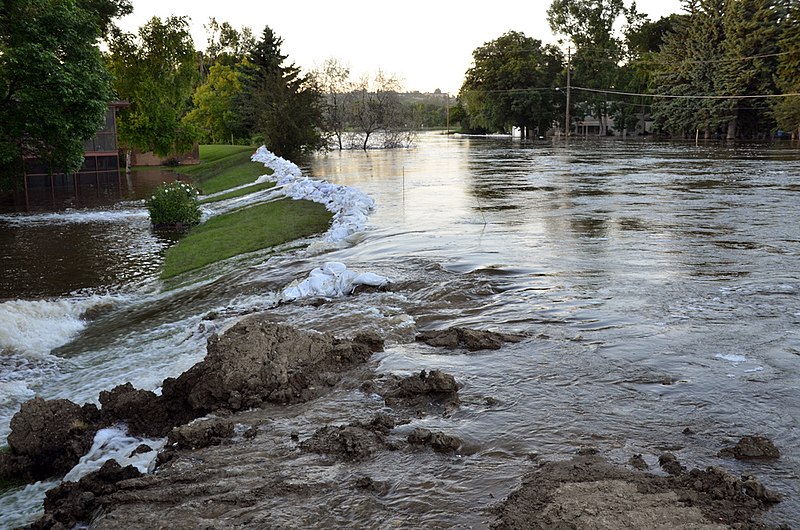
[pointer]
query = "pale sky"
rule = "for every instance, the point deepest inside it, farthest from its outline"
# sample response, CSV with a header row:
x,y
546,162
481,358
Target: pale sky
x,y
426,44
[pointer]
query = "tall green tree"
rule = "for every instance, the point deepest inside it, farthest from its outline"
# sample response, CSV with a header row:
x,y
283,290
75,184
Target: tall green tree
x,y
688,66
599,50
276,103
213,112
54,87
156,72
786,110
512,83
748,67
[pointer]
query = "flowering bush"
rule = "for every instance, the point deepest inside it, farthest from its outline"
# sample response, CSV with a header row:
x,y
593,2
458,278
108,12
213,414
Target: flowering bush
x,y
174,204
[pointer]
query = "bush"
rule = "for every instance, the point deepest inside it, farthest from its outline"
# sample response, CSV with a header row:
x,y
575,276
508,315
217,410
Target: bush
x,y
174,204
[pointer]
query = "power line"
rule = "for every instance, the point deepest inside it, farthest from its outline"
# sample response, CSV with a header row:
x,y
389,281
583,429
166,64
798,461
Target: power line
x,y
675,96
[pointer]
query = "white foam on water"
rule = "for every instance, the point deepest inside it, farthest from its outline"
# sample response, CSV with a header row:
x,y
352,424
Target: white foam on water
x,y
22,507
75,217
115,443
732,358
35,327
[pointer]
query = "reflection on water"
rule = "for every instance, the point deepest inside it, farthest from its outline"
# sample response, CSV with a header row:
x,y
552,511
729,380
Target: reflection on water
x,y
625,264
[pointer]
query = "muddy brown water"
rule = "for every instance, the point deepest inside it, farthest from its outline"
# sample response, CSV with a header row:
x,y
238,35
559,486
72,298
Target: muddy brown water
x,y
658,286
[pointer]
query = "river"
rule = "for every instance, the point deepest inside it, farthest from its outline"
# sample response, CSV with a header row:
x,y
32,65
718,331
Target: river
x,y
657,286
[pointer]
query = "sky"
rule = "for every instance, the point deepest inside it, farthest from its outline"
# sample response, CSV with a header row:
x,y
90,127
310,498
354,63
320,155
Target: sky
x,y
427,44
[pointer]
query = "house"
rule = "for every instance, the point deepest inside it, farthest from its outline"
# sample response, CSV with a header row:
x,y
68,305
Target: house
x,y
98,176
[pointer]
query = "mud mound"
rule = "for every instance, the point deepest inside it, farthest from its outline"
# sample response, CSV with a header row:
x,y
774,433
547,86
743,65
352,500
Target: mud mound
x,y
353,441
752,448
50,436
469,339
587,492
256,361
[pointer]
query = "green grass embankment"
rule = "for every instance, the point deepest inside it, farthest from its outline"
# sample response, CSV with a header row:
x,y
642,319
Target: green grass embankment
x,y
244,230
223,167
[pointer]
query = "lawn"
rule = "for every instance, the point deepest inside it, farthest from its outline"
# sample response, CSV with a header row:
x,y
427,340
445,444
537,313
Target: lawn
x,y
246,230
223,167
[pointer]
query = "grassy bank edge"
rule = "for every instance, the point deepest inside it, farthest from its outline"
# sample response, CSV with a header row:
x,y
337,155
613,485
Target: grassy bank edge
x,y
245,230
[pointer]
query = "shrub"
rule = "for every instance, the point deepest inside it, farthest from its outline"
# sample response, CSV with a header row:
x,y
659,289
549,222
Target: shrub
x,y
174,204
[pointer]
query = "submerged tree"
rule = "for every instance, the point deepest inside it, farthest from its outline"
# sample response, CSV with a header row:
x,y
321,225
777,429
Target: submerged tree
x,y
155,71
54,87
334,83
512,83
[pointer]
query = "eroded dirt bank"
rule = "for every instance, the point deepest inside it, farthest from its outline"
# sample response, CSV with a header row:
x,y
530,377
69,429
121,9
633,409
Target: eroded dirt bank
x,y
240,454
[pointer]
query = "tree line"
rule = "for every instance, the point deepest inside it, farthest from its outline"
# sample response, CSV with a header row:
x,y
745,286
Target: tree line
x,y
720,69
56,83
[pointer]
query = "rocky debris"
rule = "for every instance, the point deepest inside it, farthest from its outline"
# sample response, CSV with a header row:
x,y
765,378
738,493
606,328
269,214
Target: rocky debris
x,y
257,361
637,462
142,411
670,464
469,339
589,492
254,362
50,436
71,503
752,448
438,441
427,383
354,441
371,485
199,434
141,449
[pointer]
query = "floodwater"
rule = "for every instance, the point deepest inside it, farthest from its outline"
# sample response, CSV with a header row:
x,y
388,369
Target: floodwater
x,y
657,286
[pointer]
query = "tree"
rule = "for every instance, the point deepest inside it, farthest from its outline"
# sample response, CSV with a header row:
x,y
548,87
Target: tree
x,y
225,44
786,110
156,73
599,51
276,102
750,46
334,82
376,107
512,83
54,87
213,113
687,66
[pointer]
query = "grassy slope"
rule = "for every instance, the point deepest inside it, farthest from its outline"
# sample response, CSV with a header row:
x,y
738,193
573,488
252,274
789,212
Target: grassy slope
x,y
223,167
251,228
245,230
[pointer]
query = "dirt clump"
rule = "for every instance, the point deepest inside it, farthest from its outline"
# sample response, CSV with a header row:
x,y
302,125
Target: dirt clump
x,y
48,437
752,448
588,492
354,441
469,339
258,361
438,441
71,503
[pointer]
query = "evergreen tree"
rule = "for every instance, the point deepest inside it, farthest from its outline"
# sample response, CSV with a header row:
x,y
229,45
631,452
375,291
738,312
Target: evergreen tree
x,y
786,110
276,102
751,42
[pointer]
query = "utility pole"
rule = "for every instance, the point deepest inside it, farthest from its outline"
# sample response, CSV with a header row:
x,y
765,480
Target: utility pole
x,y
569,68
